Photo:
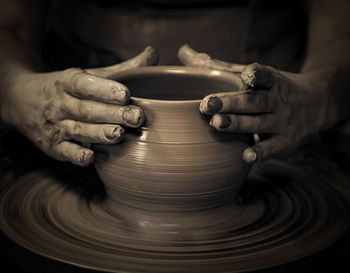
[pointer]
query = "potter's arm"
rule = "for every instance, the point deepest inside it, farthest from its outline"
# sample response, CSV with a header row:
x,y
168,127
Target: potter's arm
x,y
59,110
20,31
328,55
287,107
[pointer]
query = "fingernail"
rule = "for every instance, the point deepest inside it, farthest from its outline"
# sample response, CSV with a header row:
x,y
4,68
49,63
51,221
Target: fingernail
x,y
220,121
86,157
249,155
225,122
211,105
113,132
133,116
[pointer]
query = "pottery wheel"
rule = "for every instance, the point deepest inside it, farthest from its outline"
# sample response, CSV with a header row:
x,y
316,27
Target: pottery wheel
x,y
285,215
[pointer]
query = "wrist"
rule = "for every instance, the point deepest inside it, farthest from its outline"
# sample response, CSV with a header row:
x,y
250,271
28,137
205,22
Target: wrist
x,y
326,96
13,88
320,102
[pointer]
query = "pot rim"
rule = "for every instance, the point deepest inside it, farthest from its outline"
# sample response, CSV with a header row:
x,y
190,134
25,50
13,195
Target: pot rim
x,y
173,69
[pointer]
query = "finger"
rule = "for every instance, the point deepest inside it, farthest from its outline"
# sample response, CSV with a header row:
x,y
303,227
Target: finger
x,y
238,102
149,56
259,76
190,57
264,150
97,112
71,152
91,133
244,123
78,83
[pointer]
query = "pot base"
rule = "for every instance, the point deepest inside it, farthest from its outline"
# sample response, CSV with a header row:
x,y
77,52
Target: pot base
x,y
191,225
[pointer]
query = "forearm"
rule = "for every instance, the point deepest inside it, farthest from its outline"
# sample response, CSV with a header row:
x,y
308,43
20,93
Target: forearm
x,y
327,63
19,46
16,62
16,56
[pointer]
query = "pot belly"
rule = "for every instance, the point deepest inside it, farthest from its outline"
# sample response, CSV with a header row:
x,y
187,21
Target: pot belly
x,y
157,188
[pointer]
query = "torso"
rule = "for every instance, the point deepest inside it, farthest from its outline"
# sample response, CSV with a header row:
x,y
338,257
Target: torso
x,y
223,30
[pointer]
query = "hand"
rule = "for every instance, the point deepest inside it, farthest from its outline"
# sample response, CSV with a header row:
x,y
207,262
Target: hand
x,y
286,107
58,110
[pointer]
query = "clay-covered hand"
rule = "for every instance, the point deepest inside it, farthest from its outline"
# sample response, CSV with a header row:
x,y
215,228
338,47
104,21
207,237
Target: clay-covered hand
x,y
59,111
285,107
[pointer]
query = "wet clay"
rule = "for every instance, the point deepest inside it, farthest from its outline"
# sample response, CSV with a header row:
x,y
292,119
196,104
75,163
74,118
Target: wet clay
x,y
176,173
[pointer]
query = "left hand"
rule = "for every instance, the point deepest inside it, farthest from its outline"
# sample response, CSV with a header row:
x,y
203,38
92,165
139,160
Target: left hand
x,y
63,112
287,107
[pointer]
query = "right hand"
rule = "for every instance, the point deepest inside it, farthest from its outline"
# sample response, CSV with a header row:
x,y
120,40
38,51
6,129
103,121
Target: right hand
x,y
286,108
57,110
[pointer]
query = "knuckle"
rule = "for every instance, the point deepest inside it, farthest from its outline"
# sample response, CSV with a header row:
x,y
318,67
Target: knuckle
x,y
51,112
65,75
54,134
245,106
249,102
236,123
69,126
47,112
70,72
69,106
76,108
70,76
236,102
84,109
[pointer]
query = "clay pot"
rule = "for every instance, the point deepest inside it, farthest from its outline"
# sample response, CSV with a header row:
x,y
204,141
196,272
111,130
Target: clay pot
x,y
176,174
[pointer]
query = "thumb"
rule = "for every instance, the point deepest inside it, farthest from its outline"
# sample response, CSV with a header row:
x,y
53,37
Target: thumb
x,y
190,57
264,150
149,56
